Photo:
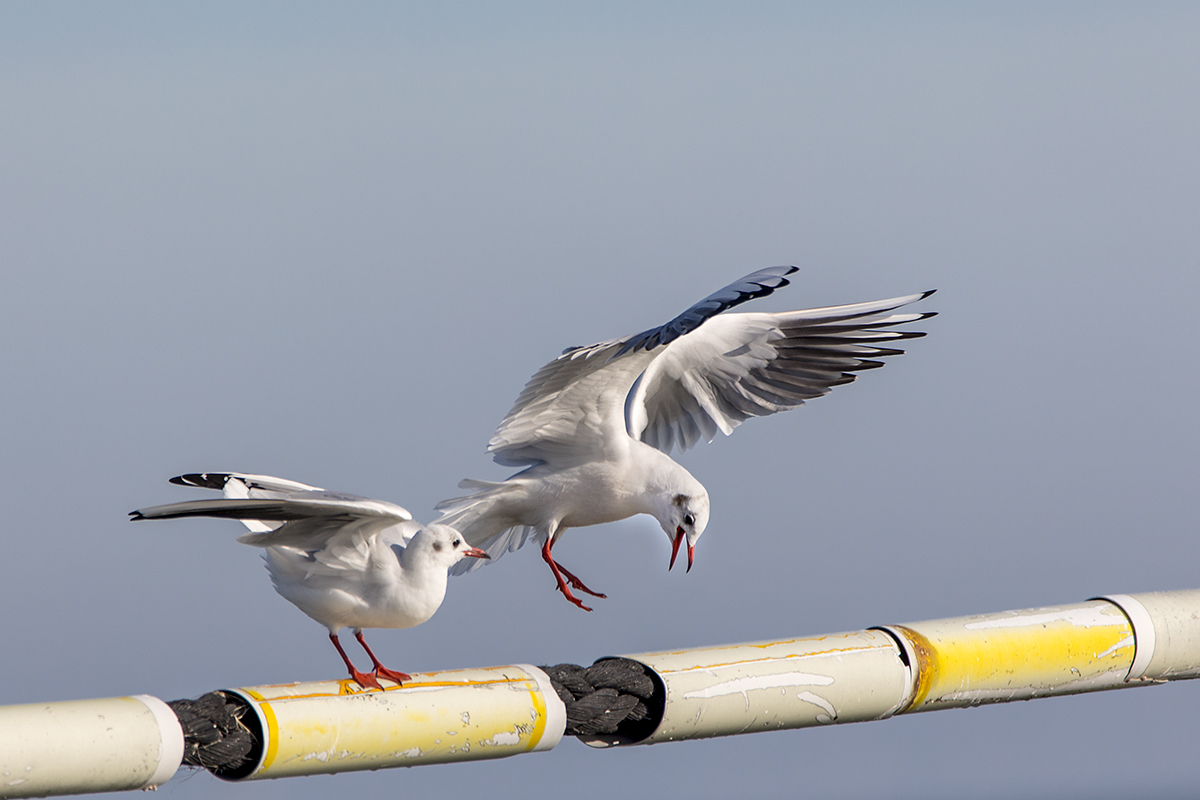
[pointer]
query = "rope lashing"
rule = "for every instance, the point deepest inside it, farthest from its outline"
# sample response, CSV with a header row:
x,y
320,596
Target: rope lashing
x,y
214,736
613,696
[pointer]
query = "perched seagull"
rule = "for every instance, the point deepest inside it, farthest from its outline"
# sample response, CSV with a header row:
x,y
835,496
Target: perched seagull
x,y
343,560
594,428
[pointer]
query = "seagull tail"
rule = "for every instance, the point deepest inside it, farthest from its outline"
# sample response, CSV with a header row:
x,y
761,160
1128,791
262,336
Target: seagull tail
x,y
483,520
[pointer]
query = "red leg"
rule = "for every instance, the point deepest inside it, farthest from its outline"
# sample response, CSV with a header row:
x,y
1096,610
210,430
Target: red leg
x,y
363,679
558,576
380,670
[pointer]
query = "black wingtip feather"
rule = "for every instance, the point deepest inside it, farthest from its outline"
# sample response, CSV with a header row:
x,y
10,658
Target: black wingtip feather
x,y
202,480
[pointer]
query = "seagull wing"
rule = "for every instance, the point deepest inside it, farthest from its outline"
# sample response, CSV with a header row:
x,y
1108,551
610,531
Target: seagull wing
x,y
574,406
252,485
737,366
570,409
331,528
239,485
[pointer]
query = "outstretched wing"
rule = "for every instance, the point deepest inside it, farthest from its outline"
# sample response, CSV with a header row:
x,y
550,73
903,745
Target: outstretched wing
x,y
575,405
237,485
332,528
750,365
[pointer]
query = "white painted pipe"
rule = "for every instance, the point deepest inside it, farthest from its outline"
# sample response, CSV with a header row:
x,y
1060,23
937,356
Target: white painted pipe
x,y
765,686
1167,628
437,717
1107,643
465,715
83,746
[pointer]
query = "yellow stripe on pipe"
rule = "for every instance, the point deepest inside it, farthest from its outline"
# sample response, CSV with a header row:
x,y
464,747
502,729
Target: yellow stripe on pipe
x,y
272,728
539,722
1018,655
464,715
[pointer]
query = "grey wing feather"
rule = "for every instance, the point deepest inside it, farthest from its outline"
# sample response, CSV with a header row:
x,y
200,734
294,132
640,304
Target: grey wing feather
x,y
297,506
756,284
288,514
750,365
555,417
242,485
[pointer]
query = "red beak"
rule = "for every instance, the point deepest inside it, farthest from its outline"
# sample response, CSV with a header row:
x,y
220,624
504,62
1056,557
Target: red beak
x,y
679,537
475,552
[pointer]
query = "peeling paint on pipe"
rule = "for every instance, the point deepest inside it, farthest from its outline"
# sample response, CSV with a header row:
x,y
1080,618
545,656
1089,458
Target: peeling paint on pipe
x,y
465,715
774,685
437,717
82,746
1106,643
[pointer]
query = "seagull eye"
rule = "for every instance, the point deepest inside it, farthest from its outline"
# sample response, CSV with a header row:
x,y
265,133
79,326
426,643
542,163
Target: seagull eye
x,y
456,543
689,520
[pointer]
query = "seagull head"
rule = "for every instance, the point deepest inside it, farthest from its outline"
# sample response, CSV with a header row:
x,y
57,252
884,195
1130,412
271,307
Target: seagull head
x,y
443,545
683,516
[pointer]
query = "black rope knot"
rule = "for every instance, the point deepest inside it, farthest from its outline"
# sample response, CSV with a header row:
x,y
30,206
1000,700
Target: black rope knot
x,y
214,736
613,696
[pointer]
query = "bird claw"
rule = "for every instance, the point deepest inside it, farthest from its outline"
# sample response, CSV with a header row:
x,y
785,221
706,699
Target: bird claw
x,y
567,594
561,572
578,584
396,677
366,680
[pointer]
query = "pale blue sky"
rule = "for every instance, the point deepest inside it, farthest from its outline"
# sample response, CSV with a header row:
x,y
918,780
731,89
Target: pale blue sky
x,y
332,242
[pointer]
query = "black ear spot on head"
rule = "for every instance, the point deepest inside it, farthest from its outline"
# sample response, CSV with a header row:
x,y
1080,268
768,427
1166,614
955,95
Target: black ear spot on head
x,y
437,546
680,499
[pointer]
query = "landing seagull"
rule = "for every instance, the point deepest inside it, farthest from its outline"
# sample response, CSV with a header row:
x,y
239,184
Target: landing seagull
x,y
343,560
594,428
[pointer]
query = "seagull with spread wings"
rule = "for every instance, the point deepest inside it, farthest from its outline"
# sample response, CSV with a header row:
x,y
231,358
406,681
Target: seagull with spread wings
x,y
344,560
594,428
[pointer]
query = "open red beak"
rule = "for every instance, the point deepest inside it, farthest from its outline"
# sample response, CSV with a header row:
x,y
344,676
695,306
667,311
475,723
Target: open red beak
x,y
679,537
475,552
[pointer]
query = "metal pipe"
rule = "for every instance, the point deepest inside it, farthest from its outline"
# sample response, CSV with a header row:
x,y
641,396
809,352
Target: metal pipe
x,y
437,717
82,746
1106,643
465,715
1167,628
774,685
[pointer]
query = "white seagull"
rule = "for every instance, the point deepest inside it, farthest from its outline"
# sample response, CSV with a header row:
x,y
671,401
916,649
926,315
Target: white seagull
x,y
343,560
594,428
